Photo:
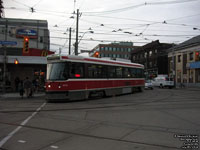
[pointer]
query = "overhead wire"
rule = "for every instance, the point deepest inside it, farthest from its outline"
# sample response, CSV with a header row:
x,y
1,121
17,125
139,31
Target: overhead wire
x,y
37,3
137,6
147,22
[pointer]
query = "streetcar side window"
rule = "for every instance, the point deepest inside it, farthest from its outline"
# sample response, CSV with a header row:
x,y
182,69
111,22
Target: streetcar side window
x,y
76,70
126,73
119,72
92,71
96,71
111,72
140,73
103,70
133,72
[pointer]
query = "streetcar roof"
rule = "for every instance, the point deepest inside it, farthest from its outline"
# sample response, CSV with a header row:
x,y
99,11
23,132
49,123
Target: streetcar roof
x,y
93,60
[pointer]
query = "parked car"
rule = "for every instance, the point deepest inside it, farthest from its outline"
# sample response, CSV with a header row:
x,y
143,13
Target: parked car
x,y
148,84
163,81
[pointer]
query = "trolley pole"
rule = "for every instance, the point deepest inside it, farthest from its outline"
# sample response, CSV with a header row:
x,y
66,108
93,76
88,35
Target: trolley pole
x,y
70,31
76,43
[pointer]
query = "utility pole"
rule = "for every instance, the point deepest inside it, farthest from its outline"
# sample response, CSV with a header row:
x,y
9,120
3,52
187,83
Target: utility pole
x,y
76,43
70,32
5,58
174,66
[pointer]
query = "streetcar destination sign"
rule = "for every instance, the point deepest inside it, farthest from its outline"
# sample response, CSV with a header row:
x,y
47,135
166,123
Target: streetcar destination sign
x,y
8,43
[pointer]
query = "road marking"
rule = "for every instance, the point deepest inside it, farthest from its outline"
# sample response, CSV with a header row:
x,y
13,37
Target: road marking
x,y
4,140
22,141
54,147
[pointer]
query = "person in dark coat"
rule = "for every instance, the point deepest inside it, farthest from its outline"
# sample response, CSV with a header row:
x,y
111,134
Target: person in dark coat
x,y
27,86
17,81
21,89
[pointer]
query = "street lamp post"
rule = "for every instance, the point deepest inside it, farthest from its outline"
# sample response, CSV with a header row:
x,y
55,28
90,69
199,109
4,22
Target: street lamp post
x,y
84,34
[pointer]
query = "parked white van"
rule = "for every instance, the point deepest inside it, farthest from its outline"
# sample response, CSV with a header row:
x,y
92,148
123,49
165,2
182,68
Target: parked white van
x,y
163,81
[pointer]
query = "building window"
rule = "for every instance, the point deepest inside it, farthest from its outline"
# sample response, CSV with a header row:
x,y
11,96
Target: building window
x,y
133,57
145,55
179,58
150,53
114,48
150,64
155,63
191,56
41,39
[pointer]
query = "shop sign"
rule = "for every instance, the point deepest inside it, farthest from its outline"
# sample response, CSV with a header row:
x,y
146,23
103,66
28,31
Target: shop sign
x,y
8,43
195,65
26,32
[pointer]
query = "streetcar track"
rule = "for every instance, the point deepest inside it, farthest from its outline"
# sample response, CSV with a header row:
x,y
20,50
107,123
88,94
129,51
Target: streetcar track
x,y
176,116
91,136
124,124
87,109
127,104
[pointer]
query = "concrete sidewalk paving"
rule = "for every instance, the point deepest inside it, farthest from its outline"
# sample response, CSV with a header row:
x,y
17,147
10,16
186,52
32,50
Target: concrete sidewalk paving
x,y
16,95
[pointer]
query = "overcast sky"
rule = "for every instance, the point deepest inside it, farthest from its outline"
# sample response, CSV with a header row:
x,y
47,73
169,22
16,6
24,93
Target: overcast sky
x,y
139,21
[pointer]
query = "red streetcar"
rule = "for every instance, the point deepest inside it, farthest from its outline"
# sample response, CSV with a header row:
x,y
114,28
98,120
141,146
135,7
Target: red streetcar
x,y
77,77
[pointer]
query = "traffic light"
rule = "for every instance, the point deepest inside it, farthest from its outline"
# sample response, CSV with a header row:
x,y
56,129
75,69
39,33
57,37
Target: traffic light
x,y
26,45
196,56
16,62
96,54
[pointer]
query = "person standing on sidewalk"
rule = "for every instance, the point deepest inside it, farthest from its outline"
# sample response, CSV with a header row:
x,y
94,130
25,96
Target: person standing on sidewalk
x,y
27,86
17,82
21,88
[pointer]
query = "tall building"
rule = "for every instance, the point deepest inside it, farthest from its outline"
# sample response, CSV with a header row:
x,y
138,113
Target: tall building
x,y
24,43
113,50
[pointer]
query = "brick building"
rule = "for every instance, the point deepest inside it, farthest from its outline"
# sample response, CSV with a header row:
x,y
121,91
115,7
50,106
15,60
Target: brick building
x,y
153,56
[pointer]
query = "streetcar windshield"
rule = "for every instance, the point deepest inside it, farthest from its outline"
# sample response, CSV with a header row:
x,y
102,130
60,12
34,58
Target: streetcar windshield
x,y
57,71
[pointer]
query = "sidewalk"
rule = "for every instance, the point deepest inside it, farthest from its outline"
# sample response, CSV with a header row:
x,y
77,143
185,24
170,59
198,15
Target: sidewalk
x,y
17,96
188,88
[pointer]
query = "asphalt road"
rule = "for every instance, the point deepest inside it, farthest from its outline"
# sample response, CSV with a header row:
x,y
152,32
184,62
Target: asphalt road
x,y
159,119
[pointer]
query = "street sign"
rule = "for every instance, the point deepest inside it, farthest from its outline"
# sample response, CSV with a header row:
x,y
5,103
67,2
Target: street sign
x,y
8,43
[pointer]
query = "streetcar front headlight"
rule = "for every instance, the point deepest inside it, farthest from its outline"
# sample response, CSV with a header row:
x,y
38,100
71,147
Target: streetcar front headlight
x,y
49,86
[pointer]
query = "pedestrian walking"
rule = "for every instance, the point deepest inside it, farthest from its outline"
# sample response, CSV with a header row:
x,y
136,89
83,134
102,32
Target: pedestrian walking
x,y
21,89
17,81
27,87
